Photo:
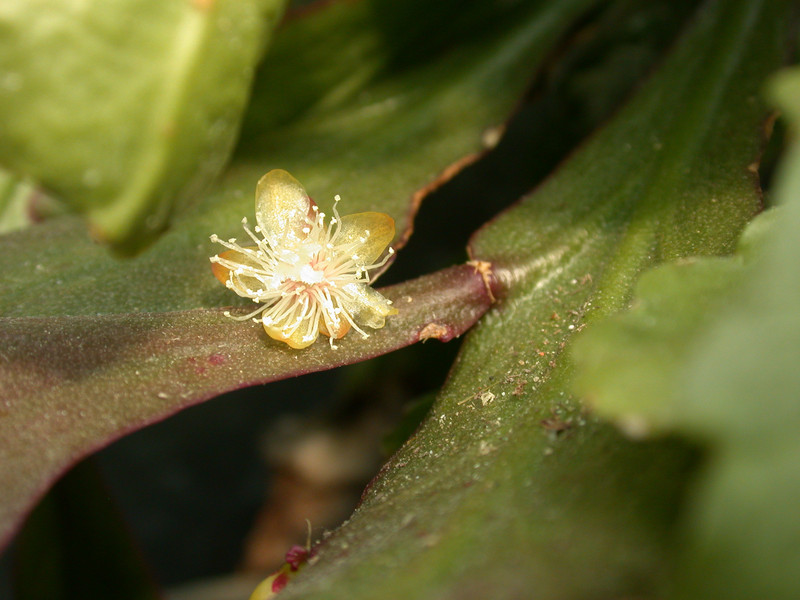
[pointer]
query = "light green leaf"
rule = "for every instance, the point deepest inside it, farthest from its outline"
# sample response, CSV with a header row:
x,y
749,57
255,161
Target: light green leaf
x,y
740,391
124,109
628,363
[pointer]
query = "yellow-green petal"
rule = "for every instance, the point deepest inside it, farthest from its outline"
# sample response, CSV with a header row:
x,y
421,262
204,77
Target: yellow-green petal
x,y
296,339
375,228
366,306
282,205
223,273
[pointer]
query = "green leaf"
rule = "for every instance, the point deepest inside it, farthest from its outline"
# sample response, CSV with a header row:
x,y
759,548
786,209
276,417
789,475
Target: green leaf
x,y
124,109
740,390
709,350
509,489
630,364
80,382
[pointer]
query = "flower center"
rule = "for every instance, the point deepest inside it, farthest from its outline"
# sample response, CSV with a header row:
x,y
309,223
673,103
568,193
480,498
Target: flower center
x,y
309,275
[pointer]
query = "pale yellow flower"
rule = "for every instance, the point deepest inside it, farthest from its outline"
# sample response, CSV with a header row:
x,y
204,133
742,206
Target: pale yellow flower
x,y
310,277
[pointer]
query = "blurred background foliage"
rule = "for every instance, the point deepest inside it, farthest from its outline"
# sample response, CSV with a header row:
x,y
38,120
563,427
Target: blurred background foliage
x,y
654,458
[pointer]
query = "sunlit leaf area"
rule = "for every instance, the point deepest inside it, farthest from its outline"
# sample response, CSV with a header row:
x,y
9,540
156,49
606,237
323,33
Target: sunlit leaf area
x,y
398,299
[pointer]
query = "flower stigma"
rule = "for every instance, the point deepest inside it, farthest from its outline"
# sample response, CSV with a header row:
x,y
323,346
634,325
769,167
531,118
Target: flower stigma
x,y
309,277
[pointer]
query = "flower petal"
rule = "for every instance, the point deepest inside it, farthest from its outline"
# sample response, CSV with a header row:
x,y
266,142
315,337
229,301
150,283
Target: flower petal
x,y
223,272
282,206
375,228
294,320
366,306
300,338
339,333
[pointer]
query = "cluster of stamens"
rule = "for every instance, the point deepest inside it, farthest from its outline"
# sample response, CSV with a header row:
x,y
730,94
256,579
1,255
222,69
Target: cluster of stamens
x,y
311,280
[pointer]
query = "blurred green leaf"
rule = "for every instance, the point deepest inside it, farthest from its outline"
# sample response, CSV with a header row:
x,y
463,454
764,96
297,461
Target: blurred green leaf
x,y
125,108
710,350
627,364
509,489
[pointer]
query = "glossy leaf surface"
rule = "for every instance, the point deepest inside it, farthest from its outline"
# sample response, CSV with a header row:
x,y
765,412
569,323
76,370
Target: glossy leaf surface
x,y
510,489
